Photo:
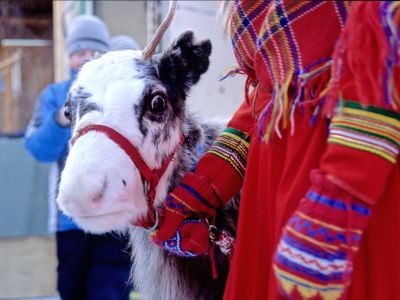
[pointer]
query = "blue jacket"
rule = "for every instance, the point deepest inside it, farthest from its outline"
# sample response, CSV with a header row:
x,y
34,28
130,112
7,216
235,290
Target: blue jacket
x,y
47,141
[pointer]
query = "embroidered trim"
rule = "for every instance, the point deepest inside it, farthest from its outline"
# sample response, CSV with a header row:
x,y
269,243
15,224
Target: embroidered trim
x,y
308,288
174,244
316,231
369,129
314,254
176,205
324,266
196,195
232,145
337,204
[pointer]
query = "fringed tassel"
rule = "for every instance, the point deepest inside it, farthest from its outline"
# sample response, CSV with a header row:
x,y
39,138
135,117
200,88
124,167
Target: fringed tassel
x,y
285,97
295,103
280,103
282,109
317,111
264,114
271,104
278,112
305,77
231,73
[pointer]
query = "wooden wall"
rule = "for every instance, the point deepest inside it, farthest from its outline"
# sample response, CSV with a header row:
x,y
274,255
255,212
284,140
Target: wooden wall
x,y
26,30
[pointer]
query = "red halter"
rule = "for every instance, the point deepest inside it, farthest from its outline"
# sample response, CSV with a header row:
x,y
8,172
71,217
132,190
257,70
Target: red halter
x,y
150,178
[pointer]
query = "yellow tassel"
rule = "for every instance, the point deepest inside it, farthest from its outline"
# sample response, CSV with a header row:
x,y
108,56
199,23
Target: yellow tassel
x,y
286,99
275,108
321,68
396,98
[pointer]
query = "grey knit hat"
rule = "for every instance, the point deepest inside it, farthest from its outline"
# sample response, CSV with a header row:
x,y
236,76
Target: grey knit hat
x,y
123,42
87,32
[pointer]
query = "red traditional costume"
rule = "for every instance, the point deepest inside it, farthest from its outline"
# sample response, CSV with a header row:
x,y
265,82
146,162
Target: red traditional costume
x,y
320,185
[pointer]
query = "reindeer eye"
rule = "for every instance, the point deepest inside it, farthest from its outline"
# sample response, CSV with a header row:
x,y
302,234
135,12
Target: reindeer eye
x,y
67,112
157,104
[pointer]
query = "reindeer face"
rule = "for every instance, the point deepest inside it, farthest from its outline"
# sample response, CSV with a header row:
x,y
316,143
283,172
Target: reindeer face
x,y
100,186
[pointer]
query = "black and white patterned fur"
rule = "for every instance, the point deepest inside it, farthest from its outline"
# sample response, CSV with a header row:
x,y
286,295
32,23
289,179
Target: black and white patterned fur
x,y
101,188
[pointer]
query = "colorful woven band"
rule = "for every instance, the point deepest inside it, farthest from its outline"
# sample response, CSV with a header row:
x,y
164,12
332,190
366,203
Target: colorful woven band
x,y
232,145
371,129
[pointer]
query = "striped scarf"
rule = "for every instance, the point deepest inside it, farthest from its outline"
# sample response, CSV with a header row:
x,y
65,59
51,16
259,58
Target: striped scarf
x,y
280,43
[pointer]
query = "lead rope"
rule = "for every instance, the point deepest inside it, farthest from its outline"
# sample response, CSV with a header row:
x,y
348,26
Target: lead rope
x,y
223,240
150,186
213,238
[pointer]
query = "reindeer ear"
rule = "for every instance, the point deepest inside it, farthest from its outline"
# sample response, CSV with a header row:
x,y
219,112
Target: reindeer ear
x,y
182,64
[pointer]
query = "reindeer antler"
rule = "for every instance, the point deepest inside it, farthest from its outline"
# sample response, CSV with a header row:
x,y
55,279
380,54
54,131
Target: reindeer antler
x,y
151,47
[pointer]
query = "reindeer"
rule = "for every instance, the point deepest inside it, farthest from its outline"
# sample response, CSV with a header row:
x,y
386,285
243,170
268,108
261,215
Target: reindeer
x,y
129,122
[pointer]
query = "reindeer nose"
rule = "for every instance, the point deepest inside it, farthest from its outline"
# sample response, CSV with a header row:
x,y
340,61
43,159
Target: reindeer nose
x,y
99,196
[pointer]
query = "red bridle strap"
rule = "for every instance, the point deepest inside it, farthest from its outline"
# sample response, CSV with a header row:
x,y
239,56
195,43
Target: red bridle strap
x,y
149,176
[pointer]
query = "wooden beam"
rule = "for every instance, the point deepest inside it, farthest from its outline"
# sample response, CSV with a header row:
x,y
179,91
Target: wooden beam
x,y
60,57
9,108
35,21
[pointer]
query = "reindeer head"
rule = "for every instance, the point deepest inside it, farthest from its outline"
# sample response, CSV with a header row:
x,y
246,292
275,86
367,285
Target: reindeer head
x,y
142,99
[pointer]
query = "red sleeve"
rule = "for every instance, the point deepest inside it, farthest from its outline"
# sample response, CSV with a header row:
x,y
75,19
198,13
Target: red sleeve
x,y
224,164
364,134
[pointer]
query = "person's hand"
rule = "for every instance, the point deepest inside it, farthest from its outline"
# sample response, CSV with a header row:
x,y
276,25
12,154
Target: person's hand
x,y
316,250
61,119
190,238
183,228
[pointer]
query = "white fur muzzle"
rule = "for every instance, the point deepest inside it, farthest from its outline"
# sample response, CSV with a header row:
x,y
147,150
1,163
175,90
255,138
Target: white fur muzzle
x,y
100,186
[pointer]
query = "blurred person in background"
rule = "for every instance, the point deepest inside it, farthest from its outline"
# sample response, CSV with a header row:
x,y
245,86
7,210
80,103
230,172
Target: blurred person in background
x,y
89,266
123,42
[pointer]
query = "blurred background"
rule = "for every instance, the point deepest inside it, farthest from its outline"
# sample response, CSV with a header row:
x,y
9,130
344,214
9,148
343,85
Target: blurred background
x,y
32,55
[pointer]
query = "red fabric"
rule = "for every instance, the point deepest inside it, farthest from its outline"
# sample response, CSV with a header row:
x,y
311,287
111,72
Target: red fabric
x,y
324,186
328,221
225,180
363,75
277,172
194,195
379,248
187,237
313,41
204,189
195,238
351,169
277,177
